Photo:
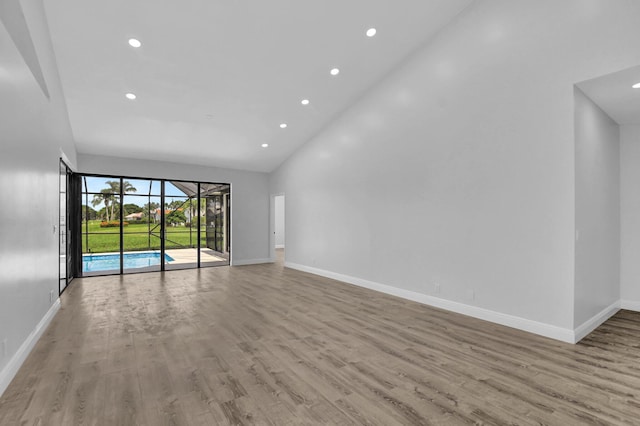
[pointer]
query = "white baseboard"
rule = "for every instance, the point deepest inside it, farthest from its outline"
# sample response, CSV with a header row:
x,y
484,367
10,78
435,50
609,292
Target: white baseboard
x,y
630,305
547,330
250,261
594,322
11,369
278,246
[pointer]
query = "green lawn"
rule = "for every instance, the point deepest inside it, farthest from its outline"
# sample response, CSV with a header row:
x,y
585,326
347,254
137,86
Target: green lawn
x,y
136,237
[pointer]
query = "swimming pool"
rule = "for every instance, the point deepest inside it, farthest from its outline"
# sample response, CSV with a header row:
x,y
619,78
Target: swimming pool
x,y
109,262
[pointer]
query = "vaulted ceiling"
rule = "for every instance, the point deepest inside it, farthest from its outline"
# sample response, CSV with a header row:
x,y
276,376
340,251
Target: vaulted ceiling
x,y
215,79
616,95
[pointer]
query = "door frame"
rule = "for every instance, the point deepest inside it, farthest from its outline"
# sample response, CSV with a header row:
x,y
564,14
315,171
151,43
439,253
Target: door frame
x,y
272,224
63,224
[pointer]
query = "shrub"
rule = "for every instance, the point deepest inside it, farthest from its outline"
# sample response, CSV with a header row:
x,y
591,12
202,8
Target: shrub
x,y
112,224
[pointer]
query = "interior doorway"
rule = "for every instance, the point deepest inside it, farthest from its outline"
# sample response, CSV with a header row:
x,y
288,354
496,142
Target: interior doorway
x,y
278,227
279,213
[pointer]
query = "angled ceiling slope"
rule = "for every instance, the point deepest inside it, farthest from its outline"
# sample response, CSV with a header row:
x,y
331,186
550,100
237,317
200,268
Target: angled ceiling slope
x,y
215,79
14,21
614,93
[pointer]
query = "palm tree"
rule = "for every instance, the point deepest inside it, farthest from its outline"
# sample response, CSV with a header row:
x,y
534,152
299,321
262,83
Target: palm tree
x,y
106,197
111,196
127,187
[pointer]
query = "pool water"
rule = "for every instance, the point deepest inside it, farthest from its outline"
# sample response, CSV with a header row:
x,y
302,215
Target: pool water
x,y
109,262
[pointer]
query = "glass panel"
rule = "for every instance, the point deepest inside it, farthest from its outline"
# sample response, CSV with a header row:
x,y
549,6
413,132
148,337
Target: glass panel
x,y
142,187
100,240
100,251
203,224
141,230
214,247
137,260
103,195
100,225
136,209
181,238
96,184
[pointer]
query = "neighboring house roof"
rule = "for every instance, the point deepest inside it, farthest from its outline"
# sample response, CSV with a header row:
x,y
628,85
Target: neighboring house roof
x,y
134,215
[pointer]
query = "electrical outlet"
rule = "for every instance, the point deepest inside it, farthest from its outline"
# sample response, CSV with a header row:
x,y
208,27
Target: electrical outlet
x,y
4,348
436,287
472,294
51,296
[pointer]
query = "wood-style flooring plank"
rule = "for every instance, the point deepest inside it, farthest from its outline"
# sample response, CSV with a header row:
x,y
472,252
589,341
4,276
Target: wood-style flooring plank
x,y
266,345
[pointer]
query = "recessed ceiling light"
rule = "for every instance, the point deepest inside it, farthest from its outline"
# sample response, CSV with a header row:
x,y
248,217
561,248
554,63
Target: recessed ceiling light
x,y
335,71
134,42
130,96
636,86
305,102
371,32
208,116
283,125
265,145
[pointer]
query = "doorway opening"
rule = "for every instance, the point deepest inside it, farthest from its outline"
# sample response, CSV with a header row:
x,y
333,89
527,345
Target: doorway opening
x,y
278,228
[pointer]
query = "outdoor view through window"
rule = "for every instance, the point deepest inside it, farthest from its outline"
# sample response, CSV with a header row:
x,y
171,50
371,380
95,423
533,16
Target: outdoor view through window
x,y
140,225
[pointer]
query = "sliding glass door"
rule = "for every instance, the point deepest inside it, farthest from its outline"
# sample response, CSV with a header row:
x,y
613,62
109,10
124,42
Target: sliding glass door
x,y
101,226
180,225
214,224
141,225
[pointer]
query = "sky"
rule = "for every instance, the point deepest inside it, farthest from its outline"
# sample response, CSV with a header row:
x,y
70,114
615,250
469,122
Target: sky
x,y
140,197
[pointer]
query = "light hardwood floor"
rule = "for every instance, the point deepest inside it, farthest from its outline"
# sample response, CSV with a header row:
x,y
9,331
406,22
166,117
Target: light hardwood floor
x,y
271,346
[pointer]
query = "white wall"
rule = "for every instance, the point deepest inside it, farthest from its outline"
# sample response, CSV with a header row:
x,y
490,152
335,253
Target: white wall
x,y
597,168
630,216
249,197
279,221
33,130
458,168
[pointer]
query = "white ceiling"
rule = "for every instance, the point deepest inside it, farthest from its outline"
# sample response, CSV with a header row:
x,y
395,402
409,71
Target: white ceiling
x,y
215,78
614,94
